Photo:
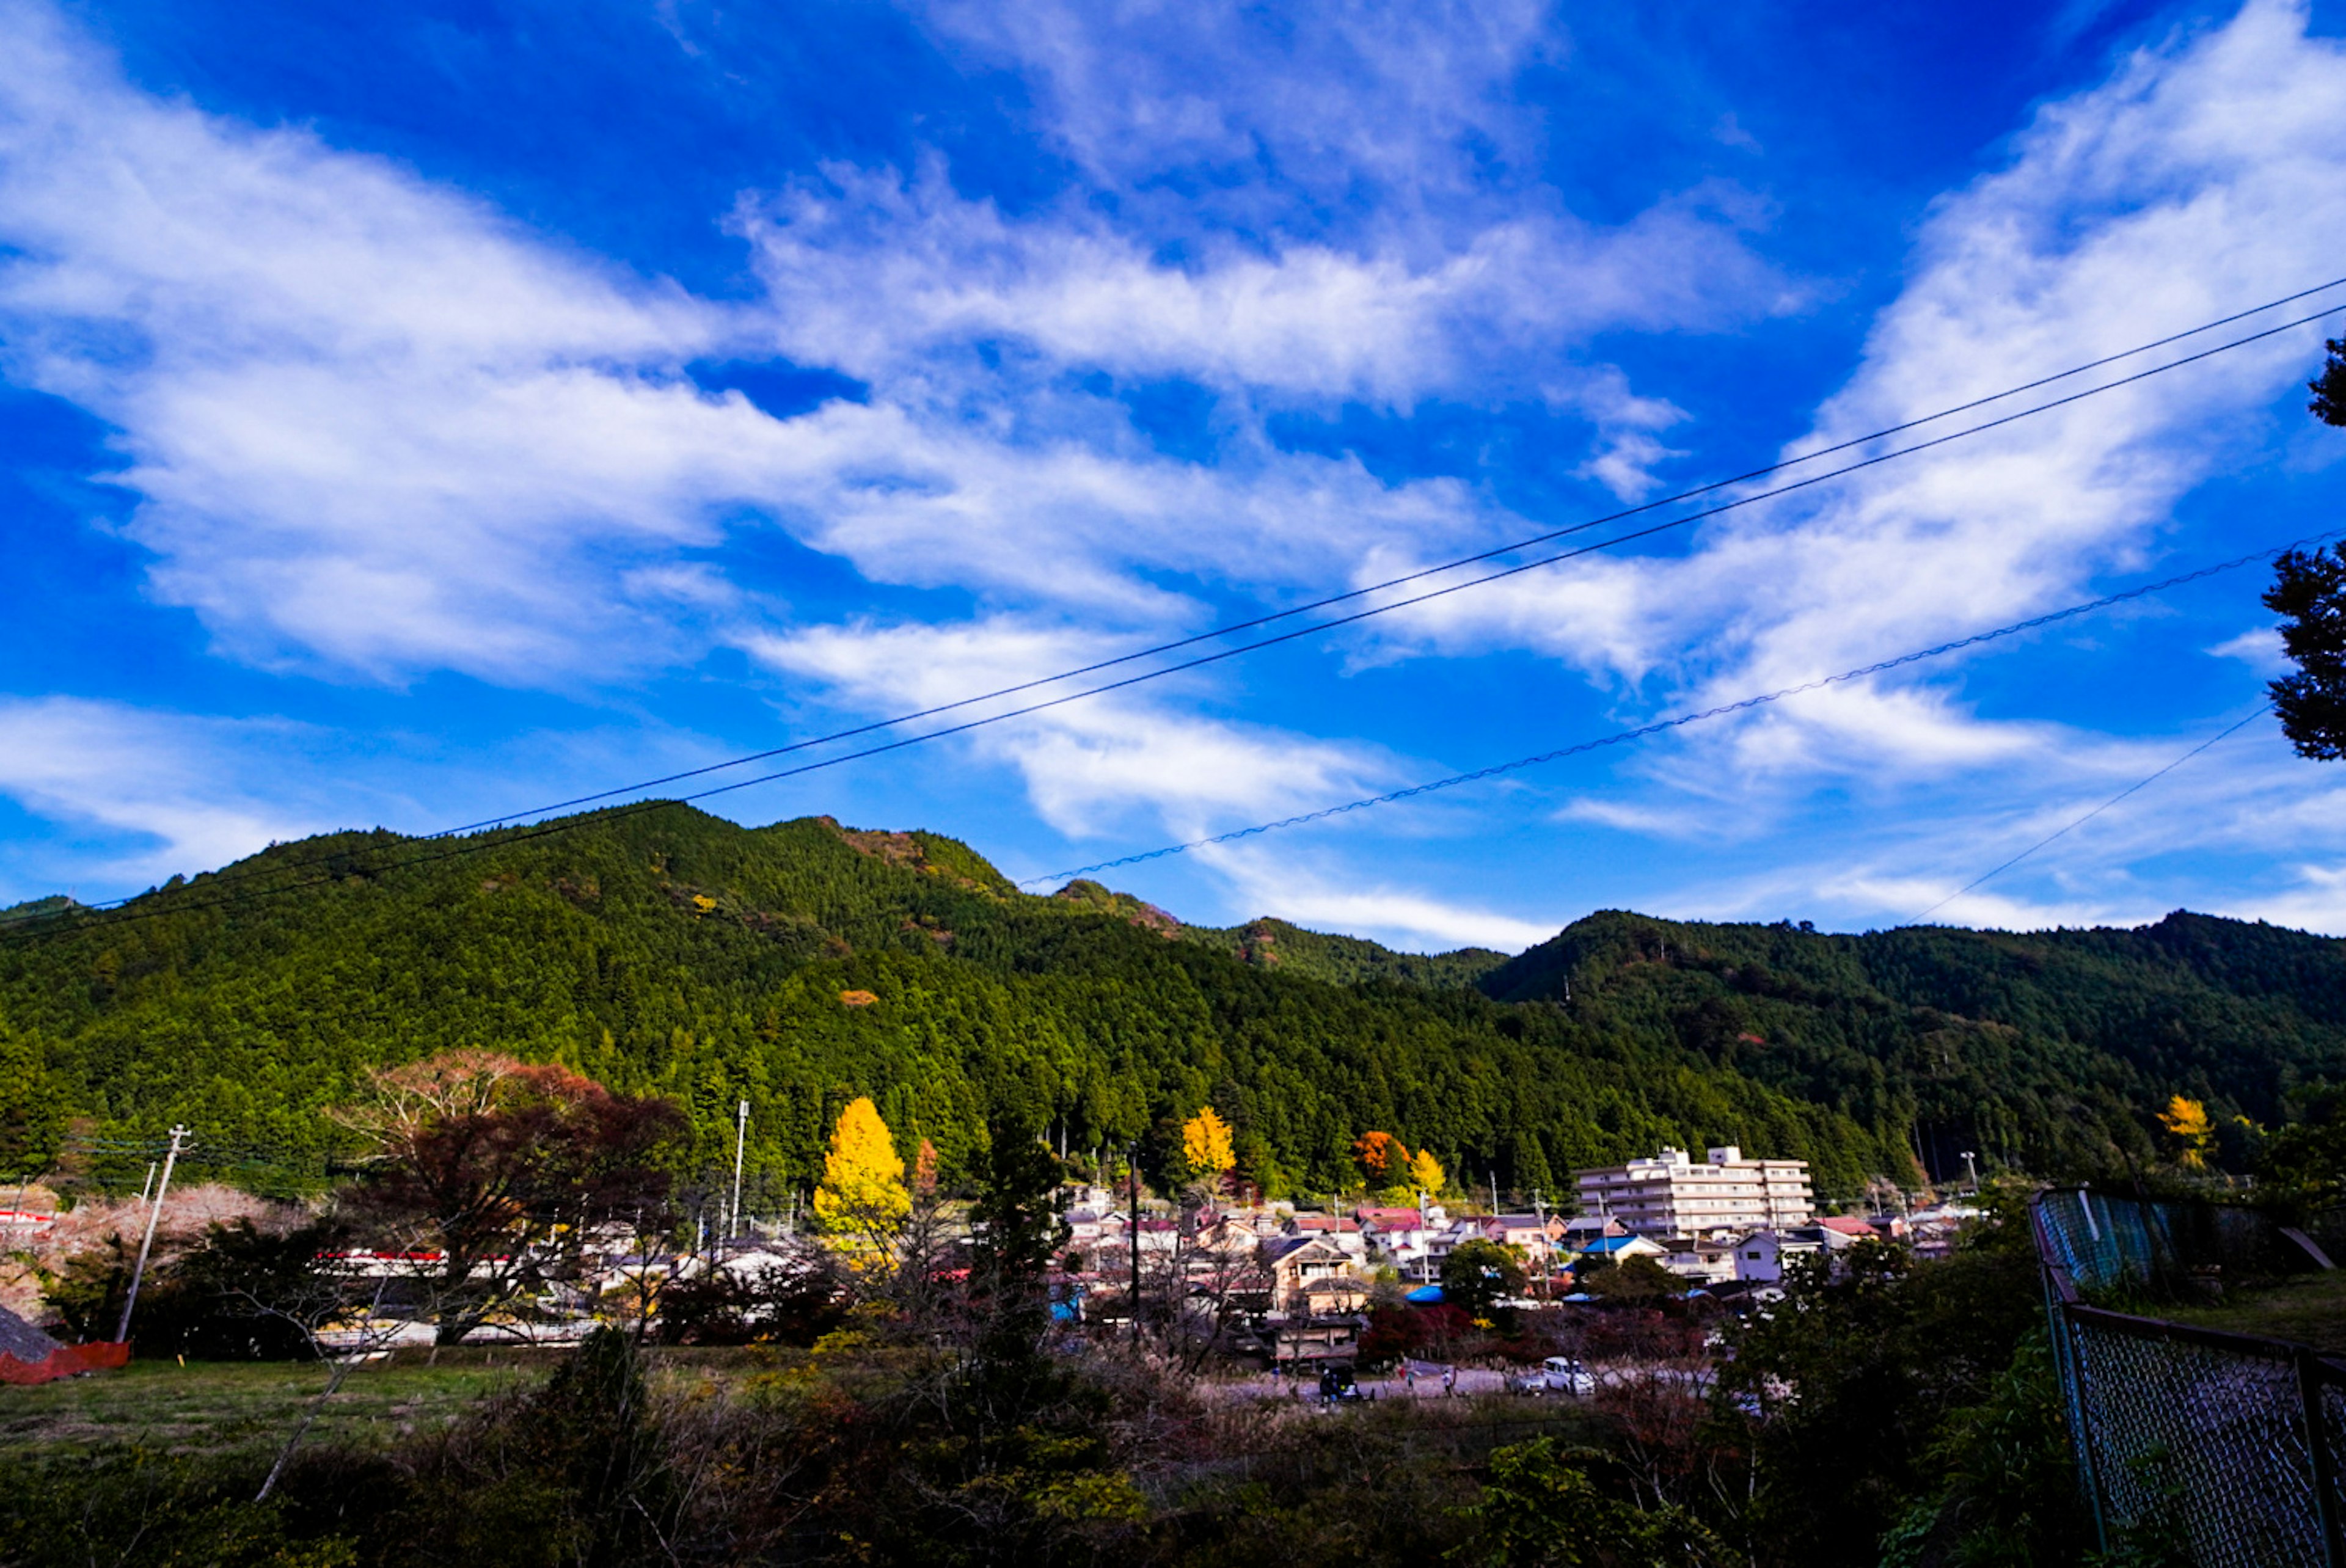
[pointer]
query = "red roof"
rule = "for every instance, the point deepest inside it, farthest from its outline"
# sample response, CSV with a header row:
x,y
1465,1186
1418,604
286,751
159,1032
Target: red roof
x,y
1391,1218
1847,1224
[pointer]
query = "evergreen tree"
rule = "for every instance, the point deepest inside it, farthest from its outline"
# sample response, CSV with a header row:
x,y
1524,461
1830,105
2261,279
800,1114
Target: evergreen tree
x,y
32,1107
2310,589
1017,1228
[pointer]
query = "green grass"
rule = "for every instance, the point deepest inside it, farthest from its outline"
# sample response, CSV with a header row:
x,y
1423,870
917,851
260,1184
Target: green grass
x,y
2310,1310
221,1408
224,1409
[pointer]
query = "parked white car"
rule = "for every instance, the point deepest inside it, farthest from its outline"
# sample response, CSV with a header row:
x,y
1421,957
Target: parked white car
x,y
1557,1375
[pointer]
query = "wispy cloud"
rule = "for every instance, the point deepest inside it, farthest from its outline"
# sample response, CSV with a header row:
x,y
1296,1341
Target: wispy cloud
x,y
160,793
1129,762
2208,173
1287,884
370,423
889,279
1237,108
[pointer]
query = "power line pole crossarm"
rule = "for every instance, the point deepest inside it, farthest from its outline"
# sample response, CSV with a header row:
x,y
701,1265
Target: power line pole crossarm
x,y
154,1212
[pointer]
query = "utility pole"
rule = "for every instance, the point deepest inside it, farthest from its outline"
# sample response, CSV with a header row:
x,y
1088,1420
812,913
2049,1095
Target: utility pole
x,y
1132,1176
740,1138
154,1212
1970,1170
147,1187
1494,1189
1547,1246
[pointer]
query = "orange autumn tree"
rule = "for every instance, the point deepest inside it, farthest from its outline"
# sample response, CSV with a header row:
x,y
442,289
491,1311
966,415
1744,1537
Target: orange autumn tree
x,y
1382,1158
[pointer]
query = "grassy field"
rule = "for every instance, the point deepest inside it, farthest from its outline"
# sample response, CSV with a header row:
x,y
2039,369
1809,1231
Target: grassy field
x,y
2310,1310
219,1408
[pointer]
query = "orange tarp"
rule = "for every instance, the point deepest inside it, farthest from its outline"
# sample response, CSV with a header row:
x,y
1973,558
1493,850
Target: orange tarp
x,y
64,1362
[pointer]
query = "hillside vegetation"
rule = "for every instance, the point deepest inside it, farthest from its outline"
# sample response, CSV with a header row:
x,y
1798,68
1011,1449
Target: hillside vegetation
x,y
801,964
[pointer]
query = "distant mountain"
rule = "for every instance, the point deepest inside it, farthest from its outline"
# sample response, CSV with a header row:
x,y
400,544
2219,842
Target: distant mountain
x,y
2044,1050
800,964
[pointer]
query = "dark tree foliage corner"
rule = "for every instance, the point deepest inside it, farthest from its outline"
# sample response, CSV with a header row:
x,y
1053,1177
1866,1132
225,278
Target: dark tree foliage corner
x,y
2329,388
2309,590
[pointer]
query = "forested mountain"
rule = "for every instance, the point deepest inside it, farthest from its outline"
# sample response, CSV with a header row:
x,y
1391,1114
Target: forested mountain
x,y
801,964
2044,1050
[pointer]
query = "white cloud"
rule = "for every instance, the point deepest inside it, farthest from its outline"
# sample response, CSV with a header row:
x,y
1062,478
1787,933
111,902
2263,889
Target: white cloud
x,y
2318,902
369,422
882,277
2258,647
2205,835
374,427
169,793
2206,174
1087,766
1366,905
1236,105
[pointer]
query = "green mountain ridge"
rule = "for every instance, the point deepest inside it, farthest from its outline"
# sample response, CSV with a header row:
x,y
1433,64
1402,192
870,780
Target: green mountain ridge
x,y
799,964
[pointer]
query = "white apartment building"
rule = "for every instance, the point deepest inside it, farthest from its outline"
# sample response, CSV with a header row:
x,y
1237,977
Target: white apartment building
x,y
1672,1195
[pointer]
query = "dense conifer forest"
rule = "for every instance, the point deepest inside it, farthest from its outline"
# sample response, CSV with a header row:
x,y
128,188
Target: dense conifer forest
x,y
800,965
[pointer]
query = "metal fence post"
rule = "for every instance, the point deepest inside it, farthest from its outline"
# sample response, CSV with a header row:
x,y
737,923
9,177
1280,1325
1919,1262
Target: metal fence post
x,y
2059,1291
2325,1464
2088,1451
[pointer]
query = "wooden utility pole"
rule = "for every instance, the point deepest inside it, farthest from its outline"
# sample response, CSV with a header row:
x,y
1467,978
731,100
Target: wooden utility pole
x,y
154,1213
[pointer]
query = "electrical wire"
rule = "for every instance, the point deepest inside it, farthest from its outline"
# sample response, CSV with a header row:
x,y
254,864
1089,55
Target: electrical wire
x,y
1425,572
1330,624
2226,733
1624,737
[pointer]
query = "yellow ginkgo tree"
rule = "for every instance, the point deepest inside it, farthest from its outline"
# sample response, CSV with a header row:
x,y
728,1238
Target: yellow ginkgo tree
x,y
2186,1120
1206,1144
1427,1171
863,1191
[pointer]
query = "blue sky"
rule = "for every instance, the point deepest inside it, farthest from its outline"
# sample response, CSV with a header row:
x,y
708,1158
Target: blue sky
x,y
412,414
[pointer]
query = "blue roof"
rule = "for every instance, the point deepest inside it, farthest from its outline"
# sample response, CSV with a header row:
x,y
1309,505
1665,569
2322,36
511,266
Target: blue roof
x,y
1425,1295
1605,1246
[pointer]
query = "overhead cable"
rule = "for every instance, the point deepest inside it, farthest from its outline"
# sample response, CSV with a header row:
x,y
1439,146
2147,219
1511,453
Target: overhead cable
x,y
1476,559
1330,623
2226,733
1623,736
61,924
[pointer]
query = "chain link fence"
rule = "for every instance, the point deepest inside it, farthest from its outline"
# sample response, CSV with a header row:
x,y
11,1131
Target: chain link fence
x,y
2221,1449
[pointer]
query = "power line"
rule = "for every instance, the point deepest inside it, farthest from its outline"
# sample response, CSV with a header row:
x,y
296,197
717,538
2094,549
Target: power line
x,y
1356,594
544,829
1335,622
1422,573
2229,731
1624,737
1330,624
